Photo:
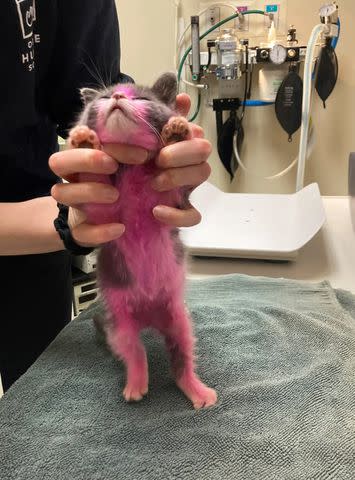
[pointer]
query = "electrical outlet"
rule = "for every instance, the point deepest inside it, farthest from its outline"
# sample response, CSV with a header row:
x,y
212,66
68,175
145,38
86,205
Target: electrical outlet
x,y
242,25
213,16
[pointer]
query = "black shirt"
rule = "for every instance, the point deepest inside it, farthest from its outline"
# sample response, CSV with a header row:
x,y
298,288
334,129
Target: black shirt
x,y
50,49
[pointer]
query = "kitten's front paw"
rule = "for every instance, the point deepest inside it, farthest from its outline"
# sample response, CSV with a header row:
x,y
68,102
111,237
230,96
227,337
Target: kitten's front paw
x,y
176,130
134,393
82,136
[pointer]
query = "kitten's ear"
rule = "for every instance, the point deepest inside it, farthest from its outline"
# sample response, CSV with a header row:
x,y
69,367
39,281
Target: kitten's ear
x,y
165,88
88,94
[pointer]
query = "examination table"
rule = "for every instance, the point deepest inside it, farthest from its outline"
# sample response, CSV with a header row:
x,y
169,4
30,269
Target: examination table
x,y
280,353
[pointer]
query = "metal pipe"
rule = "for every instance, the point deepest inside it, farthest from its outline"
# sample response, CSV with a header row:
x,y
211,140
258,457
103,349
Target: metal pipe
x,y
195,42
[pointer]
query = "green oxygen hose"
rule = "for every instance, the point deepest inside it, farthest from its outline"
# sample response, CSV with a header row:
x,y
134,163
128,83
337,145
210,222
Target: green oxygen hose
x,y
204,35
197,108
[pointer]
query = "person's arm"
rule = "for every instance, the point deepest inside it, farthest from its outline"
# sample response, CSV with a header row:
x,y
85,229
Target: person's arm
x,y
86,53
27,227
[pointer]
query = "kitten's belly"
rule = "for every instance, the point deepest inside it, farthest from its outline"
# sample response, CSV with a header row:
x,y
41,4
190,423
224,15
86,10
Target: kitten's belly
x,y
148,253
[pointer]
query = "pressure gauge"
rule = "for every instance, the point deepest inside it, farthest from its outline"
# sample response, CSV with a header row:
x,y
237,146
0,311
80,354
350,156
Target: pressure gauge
x,y
329,12
278,54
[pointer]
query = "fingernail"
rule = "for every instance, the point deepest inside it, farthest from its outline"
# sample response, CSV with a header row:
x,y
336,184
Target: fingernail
x,y
161,210
111,194
109,162
139,155
116,230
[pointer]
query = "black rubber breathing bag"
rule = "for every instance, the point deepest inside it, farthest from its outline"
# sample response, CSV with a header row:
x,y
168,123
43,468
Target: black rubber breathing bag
x,y
327,72
288,103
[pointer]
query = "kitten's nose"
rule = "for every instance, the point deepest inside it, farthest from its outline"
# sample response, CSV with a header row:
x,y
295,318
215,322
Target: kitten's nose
x,y
118,95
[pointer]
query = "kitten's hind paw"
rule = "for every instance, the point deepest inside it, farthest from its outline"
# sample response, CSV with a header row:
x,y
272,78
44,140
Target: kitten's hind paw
x,y
82,136
176,130
197,392
134,393
205,399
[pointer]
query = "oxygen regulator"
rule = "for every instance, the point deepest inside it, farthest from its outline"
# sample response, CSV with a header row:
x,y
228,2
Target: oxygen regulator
x,y
229,58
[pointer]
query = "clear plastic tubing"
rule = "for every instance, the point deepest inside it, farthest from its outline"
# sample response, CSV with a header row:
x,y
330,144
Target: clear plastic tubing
x,y
306,102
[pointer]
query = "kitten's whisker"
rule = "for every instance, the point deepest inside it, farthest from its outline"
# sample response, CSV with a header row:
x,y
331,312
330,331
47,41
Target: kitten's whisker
x,y
154,130
96,77
94,73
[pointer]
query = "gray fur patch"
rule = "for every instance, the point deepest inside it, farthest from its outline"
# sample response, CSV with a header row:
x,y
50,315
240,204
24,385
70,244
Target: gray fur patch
x,y
89,116
178,246
177,358
158,115
185,197
91,119
100,327
165,88
112,268
104,324
88,95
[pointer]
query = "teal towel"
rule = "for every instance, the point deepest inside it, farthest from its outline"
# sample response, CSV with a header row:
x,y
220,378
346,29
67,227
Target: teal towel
x,y
280,353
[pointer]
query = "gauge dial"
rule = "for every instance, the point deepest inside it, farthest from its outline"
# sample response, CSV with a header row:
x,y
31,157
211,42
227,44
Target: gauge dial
x,y
328,10
278,54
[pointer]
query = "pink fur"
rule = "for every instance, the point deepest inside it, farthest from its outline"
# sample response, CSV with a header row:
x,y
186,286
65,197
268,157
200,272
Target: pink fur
x,y
154,293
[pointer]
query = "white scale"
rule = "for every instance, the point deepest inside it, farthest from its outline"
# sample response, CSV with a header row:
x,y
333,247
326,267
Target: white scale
x,y
255,226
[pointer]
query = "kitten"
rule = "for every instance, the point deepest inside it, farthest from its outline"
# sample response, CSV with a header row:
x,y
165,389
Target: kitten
x,y
142,274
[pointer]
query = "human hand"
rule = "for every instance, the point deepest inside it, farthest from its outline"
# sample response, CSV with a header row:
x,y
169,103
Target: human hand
x,y
182,164
68,165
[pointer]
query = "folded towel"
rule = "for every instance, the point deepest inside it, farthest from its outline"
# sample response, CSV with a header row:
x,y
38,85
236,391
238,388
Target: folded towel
x,y
280,353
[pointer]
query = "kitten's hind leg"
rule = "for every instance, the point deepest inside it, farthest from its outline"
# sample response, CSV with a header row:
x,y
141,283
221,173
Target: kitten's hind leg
x,y
125,343
180,344
82,136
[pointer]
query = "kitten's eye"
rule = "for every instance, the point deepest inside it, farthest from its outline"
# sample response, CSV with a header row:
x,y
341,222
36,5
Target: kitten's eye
x,y
106,97
142,98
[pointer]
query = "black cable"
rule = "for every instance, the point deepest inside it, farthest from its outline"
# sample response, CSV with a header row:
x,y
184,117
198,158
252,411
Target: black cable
x,y
219,122
209,57
246,73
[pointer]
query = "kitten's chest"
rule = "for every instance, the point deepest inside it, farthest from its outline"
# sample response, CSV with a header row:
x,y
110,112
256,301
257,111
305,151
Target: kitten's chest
x,y
137,196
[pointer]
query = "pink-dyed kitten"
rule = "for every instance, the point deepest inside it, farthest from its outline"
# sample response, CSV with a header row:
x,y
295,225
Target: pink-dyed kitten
x,y
142,274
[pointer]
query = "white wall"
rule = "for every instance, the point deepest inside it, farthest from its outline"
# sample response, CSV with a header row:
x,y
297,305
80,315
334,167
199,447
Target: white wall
x,y
147,37
148,48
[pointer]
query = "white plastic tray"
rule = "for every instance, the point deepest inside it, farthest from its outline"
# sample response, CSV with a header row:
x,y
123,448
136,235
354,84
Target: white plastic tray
x,y
256,226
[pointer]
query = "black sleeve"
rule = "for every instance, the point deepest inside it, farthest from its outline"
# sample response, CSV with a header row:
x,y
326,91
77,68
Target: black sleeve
x,y
86,53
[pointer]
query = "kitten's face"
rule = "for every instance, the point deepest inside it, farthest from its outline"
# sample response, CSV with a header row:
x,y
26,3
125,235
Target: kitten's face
x,y
127,113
